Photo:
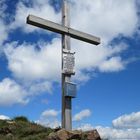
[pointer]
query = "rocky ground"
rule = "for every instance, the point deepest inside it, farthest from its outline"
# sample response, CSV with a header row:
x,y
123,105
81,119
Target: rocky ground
x,y
62,134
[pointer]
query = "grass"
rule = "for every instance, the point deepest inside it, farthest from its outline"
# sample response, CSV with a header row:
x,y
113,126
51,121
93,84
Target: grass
x,y
20,128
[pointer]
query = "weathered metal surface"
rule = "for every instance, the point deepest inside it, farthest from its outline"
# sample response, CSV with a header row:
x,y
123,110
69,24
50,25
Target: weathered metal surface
x,y
70,89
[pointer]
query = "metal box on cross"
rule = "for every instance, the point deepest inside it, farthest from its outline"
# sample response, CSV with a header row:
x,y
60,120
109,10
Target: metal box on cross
x,y
70,89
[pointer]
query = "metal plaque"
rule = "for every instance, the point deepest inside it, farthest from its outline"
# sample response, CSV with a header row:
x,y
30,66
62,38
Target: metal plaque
x,y
68,63
70,89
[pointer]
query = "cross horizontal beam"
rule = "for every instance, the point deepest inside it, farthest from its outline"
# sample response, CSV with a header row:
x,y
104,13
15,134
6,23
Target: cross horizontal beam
x,y
49,25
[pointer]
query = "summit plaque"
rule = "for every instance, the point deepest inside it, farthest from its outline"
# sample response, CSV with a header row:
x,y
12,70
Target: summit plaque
x,y
68,63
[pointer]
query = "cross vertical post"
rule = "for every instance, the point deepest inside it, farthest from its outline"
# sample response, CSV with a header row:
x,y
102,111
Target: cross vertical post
x,y
66,101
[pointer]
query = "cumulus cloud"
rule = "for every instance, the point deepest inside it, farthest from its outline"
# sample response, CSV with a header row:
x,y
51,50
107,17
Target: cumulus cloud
x,y
48,118
3,117
81,115
112,64
40,8
124,127
12,93
128,121
105,18
85,127
50,113
25,62
113,133
15,92
107,15
52,123
105,59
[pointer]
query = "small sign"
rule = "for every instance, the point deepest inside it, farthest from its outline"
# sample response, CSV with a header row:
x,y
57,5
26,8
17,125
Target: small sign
x,y
68,63
70,89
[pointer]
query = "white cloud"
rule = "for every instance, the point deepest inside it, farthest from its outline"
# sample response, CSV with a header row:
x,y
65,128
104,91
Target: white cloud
x,y
52,123
105,59
39,8
81,76
128,121
3,117
113,133
81,115
85,127
112,64
48,118
50,113
27,63
125,127
105,18
12,93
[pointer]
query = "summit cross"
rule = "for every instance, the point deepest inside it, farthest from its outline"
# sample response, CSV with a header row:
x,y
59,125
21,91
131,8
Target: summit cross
x,y
68,60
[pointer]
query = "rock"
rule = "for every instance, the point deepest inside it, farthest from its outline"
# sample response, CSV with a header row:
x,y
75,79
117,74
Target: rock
x,y
74,135
59,135
63,134
92,135
52,136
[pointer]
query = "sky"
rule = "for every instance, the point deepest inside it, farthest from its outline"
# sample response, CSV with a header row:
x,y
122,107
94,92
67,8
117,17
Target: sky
x,y
107,75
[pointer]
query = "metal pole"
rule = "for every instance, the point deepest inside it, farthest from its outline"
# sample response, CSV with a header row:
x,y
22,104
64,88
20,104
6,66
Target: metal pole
x,y
66,101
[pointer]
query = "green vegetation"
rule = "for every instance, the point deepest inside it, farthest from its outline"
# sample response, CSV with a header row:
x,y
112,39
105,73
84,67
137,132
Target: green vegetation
x,y
21,118
20,128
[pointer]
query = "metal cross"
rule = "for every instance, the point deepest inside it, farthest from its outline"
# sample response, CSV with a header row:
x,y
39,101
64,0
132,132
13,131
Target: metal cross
x,y
68,88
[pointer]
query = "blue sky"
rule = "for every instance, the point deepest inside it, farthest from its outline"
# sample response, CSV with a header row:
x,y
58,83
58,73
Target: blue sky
x,y
107,75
